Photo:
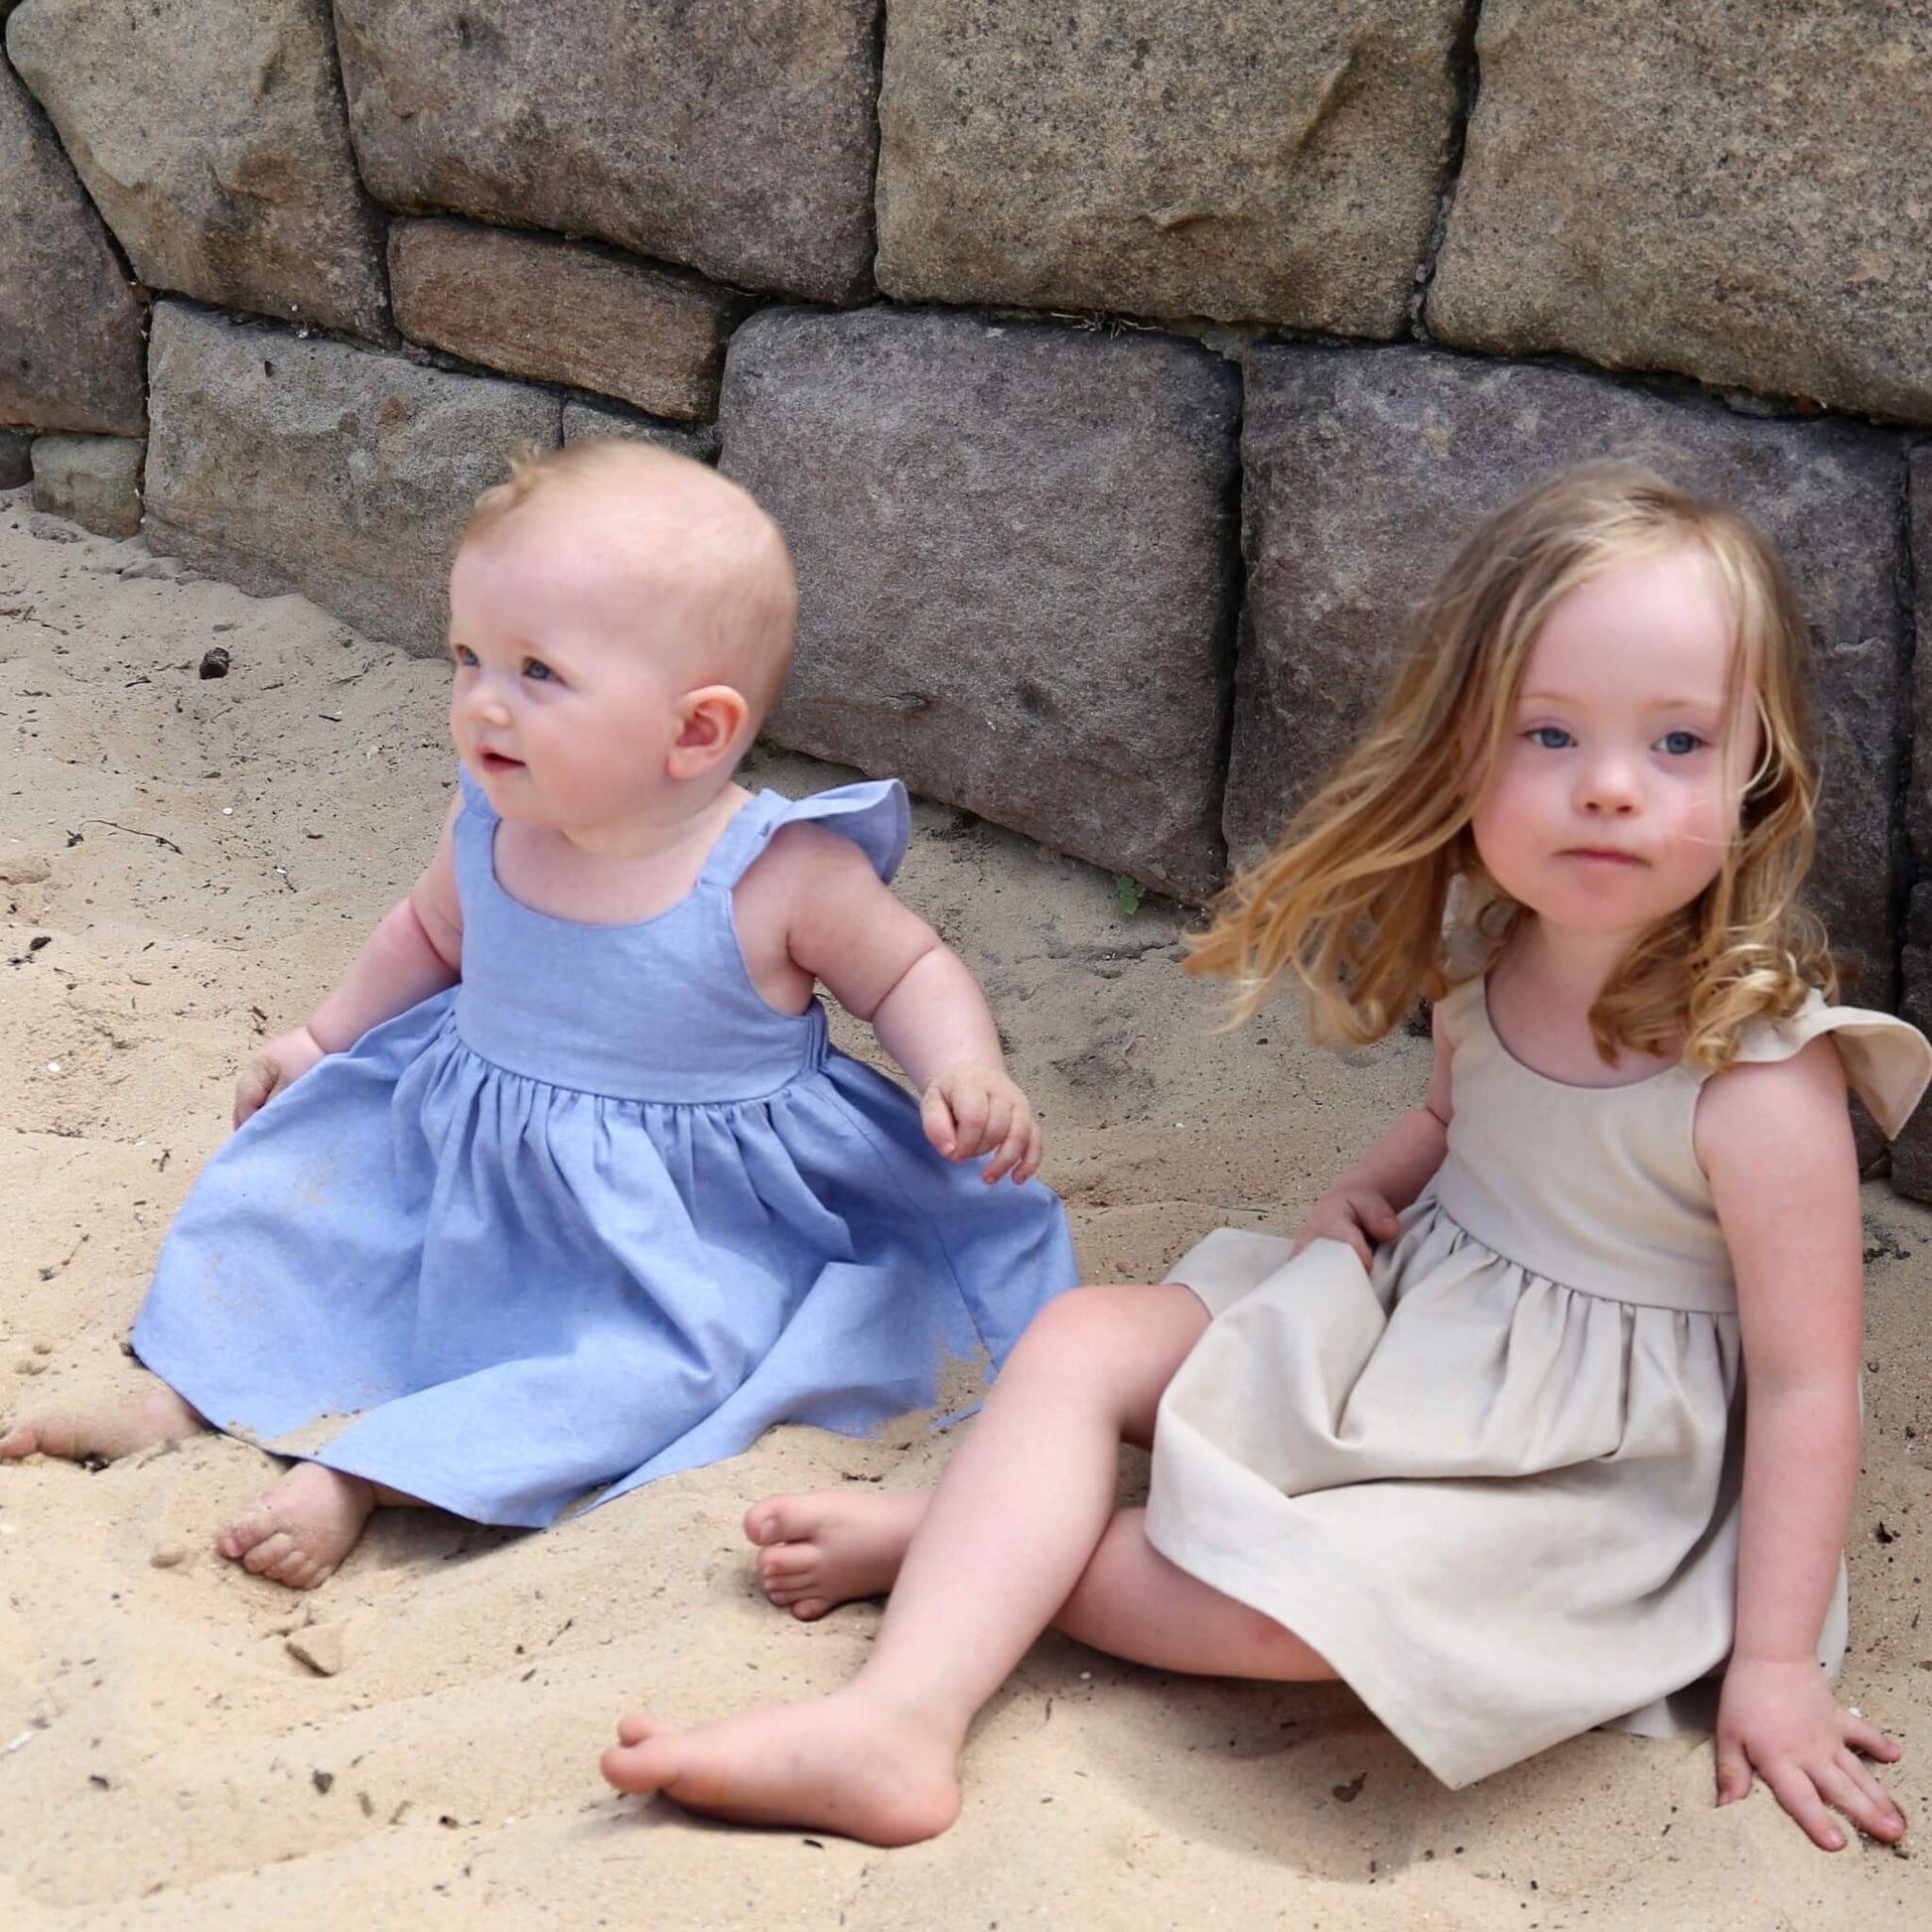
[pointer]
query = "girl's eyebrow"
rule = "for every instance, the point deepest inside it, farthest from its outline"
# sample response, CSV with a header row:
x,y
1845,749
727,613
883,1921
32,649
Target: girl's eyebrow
x,y
1706,703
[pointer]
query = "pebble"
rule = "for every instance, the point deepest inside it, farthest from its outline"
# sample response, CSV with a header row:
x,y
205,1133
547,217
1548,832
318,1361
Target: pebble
x,y
23,868
321,1647
167,1555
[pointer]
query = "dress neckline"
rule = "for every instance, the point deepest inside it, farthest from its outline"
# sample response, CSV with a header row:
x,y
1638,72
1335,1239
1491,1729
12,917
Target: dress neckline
x,y
1482,1004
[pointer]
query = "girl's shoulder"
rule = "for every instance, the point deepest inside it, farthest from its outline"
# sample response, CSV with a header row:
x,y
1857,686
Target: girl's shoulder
x,y
1887,1060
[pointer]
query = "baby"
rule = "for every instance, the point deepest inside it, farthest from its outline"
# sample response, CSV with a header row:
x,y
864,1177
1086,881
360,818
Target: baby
x,y
563,1189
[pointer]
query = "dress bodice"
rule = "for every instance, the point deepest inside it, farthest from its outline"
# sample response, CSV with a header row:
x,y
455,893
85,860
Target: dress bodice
x,y
1600,1187
662,1009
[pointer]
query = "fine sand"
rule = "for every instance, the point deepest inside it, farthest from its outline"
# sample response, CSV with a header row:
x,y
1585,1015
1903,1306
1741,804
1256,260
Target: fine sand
x,y
185,865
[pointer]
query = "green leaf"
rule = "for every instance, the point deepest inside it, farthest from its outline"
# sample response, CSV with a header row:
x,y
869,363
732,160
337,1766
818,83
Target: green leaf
x,y
1130,893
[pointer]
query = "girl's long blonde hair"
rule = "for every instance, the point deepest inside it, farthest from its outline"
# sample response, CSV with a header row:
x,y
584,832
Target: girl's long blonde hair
x,y
1353,900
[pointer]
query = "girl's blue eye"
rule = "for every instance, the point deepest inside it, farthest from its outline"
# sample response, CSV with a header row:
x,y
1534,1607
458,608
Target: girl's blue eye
x,y
537,670
1680,745
464,658
1551,737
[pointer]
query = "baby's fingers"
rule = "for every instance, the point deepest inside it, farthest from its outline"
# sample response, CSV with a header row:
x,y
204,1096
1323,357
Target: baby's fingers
x,y
969,1112
1733,1772
936,1118
1013,1141
1030,1160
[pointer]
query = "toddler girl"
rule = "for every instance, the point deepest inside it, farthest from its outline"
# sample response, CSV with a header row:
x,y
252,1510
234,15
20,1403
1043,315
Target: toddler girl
x,y
563,1187
1477,1442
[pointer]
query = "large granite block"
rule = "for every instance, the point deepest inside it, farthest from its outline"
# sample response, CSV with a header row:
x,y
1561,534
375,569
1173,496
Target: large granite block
x,y
1911,1153
562,311
92,481
584,421
212,137
70,329
315,466
1919,815
1739,192
1366,470
737,137
1270,159
1016,560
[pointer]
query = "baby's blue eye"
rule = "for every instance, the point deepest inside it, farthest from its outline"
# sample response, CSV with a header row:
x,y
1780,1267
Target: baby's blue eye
x,y
537,670
465,657
1551,737
1680,745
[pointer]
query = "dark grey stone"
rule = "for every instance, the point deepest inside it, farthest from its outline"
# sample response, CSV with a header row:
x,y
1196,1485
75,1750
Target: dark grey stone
x,y
92,481
584,420
737,137
1365,471
1015,552
564,312
1919,815
1911,1153
211,136
16,458
1739,192
1247,160
70,329
317,466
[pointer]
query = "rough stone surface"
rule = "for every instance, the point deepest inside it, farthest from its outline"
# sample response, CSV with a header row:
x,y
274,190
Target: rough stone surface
x,y
316,466
211,136
16,458
1265,159
70,329
1016,554
1365,471
92,481
1920,813
1739,192
584,420
1911,1153
562,311
737,137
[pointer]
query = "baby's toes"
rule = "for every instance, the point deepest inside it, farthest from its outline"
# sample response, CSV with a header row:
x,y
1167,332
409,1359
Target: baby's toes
x,y
785,1562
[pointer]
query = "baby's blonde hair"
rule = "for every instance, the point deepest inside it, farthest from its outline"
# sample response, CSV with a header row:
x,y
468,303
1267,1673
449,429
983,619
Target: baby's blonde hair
x,y
698,534
1353,898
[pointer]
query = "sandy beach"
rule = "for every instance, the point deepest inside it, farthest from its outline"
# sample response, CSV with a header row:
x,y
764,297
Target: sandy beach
x,y
186,863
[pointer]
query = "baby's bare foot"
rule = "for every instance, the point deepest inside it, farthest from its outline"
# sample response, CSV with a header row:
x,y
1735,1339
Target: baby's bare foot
x,y
843,1765
104,1432
300,1528
831,1547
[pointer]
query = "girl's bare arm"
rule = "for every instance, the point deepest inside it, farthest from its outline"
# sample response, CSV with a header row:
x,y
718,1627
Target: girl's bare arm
x,y
1775,1139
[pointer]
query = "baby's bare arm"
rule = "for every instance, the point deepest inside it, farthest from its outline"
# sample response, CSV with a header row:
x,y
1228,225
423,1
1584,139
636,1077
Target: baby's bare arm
x,y
415,950
883,962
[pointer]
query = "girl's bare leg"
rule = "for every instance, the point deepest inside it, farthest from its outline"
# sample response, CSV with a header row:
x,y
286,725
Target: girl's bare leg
x,y
1019,1518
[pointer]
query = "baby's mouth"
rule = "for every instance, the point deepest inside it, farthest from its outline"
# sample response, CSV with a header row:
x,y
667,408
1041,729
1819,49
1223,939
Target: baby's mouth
x,y
496,761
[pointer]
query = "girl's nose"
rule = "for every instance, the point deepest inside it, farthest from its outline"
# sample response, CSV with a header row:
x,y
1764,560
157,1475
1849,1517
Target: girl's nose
x,y
1608,785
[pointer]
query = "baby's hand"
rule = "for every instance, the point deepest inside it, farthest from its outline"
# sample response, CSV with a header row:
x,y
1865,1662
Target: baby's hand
x,y
1782,1720
279,1064
974,1109
1358,1216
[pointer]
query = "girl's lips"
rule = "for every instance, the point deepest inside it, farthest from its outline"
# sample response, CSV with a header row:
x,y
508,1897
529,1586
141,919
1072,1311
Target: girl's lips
x,y
1601,855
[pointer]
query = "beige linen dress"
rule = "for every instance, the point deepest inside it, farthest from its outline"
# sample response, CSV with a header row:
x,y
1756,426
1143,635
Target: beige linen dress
x,y
1494,1479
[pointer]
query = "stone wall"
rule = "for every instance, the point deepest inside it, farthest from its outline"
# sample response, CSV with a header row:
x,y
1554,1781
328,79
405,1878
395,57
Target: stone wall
x,y
1120,372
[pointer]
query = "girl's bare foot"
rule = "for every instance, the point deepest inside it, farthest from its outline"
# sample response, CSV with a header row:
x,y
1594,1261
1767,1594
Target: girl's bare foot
x,y
301,1527
106,1433
831,1547
842,1764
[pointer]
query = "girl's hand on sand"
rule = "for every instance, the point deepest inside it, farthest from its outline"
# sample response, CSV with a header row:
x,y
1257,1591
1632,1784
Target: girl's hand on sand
x,y
974,1109
1358,1216
279,1064
1781,1721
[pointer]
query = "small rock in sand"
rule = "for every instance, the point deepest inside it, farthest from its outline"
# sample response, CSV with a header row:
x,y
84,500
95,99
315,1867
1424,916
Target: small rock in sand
x,y
166,1555
322,1646
23,868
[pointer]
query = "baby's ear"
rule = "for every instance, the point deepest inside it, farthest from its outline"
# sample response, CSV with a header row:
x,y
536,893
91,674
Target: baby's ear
x,y
712,724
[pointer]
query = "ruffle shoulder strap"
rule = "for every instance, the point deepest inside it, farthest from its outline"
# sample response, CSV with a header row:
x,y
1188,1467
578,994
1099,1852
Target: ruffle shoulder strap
x,y
1887,1060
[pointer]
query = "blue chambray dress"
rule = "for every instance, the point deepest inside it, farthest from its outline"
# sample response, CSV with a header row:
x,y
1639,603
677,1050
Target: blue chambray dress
x,y
595,1215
